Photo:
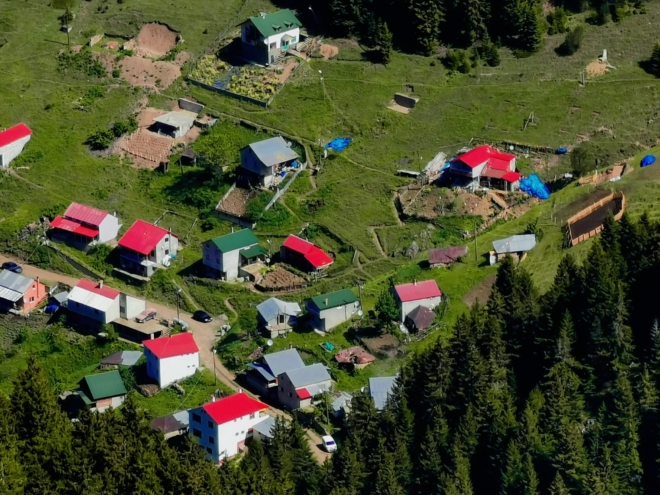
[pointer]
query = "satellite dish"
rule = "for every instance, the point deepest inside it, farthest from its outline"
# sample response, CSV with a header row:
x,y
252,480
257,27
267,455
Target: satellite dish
x,y
360,313
269,343
289,144
511,148
267,260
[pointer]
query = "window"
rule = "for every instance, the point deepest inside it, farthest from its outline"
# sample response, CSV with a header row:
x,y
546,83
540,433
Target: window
x,y
167,251
209,450
32,299
293,40
196,418
281,389
197,433
252,416
210,424
290,394
273,46
167,239
243,432
212,440
281,318
236,433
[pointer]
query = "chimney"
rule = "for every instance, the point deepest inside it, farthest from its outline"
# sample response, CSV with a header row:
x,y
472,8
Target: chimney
x,y
213,398
290,345
415,281
326,301
232,229
100,284
114,214
240,390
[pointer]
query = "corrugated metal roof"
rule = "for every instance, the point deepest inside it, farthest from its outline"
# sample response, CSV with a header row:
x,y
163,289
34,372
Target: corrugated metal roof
x,y
105,385
422,317
124,358
340,399
277,22
15,281
446,255
273,307
10,295
182,118
380,388
262,370
515,244
89,299
85,214
282,361
143,237
273,151
13,134
235,240
308,375
73,226
416,291
334,299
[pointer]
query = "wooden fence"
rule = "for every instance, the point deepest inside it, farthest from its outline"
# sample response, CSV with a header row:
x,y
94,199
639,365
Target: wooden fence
x,y
588,211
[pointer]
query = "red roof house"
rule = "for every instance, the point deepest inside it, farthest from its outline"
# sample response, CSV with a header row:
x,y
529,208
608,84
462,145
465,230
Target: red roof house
x,y
415,294
172,358
85,225
497,168
222,426
145,247
12,142
446,256
304,254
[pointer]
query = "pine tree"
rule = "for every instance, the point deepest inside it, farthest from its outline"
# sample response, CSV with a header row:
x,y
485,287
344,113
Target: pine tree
x,y
426,17
12,476
458,483
385,44
429,466
654,61
558,486
532,29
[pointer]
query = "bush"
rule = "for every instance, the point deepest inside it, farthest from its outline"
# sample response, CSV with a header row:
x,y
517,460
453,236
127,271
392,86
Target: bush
x,y
572,42
533,228
122,127
488,52
654,61
100,140
83,61
582,160
116,73
558,21
458,61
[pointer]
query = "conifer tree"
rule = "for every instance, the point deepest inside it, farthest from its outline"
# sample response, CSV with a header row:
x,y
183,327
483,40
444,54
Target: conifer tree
x,y
558,487
385,44
12,476
532,29
654,61
426,16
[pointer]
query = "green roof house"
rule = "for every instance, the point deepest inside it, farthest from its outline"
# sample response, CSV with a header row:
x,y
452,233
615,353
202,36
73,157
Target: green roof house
x,y
234,255
332,309
266,37
102,390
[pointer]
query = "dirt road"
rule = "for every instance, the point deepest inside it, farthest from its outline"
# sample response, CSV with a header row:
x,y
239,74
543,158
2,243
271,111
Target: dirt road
x,y
205,336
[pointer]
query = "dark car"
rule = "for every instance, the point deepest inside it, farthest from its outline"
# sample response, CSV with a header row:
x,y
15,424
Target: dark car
x,y
202,316
12,267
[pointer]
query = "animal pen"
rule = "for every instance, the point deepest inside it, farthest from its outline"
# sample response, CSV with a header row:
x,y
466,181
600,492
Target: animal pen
x,y
589,221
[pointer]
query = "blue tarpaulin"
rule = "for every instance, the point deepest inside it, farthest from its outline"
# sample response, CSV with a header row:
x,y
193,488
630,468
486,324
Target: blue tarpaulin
x,y
533,186
648,160
338,144
562,151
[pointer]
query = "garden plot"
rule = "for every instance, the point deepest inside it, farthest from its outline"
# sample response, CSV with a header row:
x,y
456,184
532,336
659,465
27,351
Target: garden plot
x,y
248,81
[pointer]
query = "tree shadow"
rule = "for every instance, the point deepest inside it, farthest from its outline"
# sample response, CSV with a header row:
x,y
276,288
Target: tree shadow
x,y
646,66
372,56
195,270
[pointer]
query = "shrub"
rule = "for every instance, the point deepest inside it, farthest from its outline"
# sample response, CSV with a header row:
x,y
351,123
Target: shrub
x,y
488,52
100,139
458,61
582,160
116,73
558,21
83,61
572,42
654,61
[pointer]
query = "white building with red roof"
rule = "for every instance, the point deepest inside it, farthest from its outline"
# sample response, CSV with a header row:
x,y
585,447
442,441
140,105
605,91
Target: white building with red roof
x,y
170,359
94,304
146,247
485,166
84,226
413,295
222,426
12,142
304,255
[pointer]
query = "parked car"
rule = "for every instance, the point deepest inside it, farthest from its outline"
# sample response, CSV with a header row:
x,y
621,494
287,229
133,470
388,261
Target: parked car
x,y
12,267
329,444
146,315
202,316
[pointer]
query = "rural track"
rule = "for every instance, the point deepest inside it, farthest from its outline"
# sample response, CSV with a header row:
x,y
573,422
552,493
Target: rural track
x,y
204,334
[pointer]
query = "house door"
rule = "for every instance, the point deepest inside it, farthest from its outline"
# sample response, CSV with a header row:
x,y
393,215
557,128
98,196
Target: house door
x,y
272,59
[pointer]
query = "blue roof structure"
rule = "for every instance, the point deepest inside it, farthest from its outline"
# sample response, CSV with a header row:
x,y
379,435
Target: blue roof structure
x,y
380,388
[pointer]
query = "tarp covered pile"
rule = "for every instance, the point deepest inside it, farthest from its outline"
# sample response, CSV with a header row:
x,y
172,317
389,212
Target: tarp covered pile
x,y
533,186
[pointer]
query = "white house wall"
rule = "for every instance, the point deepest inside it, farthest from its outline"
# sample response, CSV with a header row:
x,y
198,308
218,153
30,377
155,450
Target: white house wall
x,y
336,316
226,437
110,315
230,263
227,263
408,307
108,229
277,38
287,394
177,368
12,150
133,306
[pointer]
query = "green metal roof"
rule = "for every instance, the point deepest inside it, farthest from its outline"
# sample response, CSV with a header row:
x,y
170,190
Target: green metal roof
x,y
339,298
253,251
104,385
237,240
277,22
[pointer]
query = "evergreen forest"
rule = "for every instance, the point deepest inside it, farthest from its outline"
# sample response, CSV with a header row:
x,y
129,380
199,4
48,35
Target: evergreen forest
x,y
535,394
419,26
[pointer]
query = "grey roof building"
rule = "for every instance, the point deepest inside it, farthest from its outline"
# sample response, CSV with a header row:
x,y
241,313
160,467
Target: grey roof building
x,y
264,428
263,161
172,424
123,358
13,285
380,388
297,388
276,316
283,361
515,244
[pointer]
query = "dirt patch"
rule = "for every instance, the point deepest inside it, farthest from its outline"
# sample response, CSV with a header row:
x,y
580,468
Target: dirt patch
x,y
385,345
428,203
481,292
143,72
154,40
145,148
281,279
594,219
146,116
236,203
286,72
596,68
190,137
570,210
328,51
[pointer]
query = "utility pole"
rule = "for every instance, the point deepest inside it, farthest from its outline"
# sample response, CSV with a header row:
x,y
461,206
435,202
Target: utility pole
x,y
215,378
476,256
178,292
